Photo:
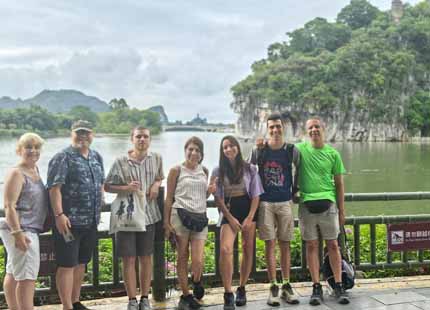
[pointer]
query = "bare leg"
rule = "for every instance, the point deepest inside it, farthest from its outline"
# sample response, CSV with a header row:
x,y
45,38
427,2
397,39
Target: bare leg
x,y
271,260
9,286
285,258
78,277
197,253
335,259
64,279
129,275
145,274
182,268
248,243
226,256
25,294
313,260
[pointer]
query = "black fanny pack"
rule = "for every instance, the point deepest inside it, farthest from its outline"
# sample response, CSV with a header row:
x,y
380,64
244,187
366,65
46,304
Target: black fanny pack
x,y
193,221
318,206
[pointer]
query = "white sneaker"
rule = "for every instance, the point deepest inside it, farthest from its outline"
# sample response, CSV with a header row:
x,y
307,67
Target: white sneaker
x,y
133,305
273,299
144,304
288,294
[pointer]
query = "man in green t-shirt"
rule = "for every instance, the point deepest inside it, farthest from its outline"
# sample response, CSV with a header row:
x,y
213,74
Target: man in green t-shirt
x,y
322,205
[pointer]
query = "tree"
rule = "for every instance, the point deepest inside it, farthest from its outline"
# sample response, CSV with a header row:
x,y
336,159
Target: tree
x,y
118,104
84,113
319,34
358,14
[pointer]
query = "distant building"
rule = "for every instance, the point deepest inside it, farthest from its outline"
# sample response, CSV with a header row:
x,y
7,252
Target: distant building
x,y
396,10
198,121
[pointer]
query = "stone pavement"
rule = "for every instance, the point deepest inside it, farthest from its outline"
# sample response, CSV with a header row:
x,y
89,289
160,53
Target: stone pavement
x,y
405,293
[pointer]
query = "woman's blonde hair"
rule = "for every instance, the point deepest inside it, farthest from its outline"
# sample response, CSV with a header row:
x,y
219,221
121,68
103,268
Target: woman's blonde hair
x,y
28,138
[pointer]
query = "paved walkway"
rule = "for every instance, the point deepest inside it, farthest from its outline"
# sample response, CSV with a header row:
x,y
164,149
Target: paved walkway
x,y
406,293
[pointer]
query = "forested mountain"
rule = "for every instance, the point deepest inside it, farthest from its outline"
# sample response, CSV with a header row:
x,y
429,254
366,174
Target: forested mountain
x,y
56,101
367,74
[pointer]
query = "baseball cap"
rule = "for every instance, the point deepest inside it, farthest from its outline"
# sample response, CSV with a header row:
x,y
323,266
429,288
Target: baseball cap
x,y
82,125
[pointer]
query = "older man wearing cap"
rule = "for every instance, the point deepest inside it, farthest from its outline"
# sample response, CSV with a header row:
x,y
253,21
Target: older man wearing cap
x,y
75,182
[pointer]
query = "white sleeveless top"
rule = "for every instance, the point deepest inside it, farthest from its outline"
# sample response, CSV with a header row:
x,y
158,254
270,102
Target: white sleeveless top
x,y
191,188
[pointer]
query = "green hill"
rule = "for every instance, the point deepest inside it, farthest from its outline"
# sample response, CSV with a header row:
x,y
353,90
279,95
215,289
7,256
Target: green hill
x,y
367,74
57,101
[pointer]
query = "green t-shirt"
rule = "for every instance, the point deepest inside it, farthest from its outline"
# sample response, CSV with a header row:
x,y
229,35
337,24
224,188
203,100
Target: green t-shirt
x,y
317,170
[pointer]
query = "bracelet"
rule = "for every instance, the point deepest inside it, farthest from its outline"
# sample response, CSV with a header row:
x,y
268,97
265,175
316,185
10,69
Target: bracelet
x,y
13,233
59,214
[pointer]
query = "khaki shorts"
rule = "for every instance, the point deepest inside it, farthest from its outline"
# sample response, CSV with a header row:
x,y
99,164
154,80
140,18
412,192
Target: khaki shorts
x,y
327,222
182,231
135,243
276,221
22,265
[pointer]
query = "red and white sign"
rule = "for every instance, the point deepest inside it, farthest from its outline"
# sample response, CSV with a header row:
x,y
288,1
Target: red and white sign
x,y
408,236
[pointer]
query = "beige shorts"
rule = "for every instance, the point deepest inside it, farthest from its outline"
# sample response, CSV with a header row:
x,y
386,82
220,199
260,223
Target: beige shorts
x,y
276,221
182,231
22,265
327,222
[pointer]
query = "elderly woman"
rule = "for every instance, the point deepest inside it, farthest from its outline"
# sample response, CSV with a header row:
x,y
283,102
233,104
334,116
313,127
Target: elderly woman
x,y
26,207
185,218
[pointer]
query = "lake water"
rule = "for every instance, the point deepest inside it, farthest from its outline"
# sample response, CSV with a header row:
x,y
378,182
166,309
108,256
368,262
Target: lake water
x,y
371,167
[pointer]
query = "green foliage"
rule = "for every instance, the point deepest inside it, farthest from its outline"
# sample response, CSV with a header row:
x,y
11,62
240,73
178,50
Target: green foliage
x,y
358,14
118,104
120,120
123,120
319,34
364,64
418,113
80,112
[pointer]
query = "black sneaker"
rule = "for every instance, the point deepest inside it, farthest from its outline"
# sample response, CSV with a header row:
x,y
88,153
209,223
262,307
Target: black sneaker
x,y
188,303
317,294
340,294
78,306
229,301
198,289
240,296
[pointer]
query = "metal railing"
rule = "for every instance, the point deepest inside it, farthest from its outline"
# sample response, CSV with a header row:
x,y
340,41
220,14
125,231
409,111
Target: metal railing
x,y
114,285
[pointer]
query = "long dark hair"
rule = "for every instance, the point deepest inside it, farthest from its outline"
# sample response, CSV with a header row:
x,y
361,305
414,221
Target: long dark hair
x,y
233,173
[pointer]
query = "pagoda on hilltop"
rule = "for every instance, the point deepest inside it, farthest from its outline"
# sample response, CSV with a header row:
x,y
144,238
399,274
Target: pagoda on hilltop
x,y
397,10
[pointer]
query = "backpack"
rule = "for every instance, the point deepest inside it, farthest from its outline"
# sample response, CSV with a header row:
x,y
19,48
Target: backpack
x,y
348,269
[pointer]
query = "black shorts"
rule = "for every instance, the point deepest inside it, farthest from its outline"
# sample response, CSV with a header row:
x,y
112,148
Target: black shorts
x,y
78,251
135,243
239,208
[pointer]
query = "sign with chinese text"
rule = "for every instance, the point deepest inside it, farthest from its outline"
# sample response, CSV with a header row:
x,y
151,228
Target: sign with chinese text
x,y
408,236
47,257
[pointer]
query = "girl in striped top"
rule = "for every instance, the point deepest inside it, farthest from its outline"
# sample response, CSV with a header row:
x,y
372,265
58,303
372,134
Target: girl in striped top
x,y
187,188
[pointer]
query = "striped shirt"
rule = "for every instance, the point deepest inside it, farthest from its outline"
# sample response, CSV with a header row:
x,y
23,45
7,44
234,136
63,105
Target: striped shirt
x,y
149,170
191,189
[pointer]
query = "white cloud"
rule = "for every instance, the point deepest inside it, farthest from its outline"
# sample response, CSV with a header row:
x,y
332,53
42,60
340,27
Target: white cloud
x,y
184,55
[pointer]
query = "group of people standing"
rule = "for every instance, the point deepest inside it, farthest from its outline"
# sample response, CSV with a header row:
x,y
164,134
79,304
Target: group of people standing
x,y
257,193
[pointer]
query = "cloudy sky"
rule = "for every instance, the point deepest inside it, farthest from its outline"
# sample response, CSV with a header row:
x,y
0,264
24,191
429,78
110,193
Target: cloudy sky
x,y
184,55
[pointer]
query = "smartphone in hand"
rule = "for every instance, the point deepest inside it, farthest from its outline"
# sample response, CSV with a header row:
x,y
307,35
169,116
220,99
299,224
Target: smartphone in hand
x,y
68,236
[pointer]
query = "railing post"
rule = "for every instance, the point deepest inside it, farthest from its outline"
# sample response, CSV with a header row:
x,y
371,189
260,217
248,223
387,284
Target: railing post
x,y
159,265
303,258
356,244
115,263
217,251
373,244
96,280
